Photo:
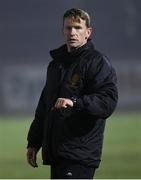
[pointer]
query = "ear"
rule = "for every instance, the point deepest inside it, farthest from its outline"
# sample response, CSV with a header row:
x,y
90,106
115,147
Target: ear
x,y
88,32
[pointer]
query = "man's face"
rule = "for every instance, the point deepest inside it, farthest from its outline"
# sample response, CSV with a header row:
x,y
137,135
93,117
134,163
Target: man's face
x,y
75,33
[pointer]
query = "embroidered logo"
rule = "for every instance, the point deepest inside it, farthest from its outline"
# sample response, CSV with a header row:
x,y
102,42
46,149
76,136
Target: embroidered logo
x,y
75,80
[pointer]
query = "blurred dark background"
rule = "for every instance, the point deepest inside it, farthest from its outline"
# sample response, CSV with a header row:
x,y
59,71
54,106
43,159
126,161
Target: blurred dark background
x,y
29,29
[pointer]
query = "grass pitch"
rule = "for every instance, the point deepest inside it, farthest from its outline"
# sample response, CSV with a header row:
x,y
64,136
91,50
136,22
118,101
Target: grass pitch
x,y
121,156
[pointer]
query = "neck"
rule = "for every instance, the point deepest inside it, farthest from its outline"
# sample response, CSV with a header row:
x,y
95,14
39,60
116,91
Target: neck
x,y
70,49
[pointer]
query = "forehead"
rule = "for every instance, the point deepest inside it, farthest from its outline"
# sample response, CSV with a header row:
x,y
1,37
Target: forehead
x,y
74,21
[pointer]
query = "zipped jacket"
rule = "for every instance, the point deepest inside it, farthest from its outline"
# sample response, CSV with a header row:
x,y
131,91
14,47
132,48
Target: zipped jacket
x,y
75,133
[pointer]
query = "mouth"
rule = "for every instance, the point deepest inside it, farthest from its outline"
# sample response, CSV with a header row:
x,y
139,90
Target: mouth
x,y
72,40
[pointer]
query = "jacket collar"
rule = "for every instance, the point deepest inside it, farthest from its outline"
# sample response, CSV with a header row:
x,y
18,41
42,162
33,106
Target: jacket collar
x,y
61,53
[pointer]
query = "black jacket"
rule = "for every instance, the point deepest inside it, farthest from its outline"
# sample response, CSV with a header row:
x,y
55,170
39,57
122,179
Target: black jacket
x,y
74,134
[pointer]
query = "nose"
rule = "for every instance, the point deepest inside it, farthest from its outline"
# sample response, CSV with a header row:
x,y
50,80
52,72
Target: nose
x,y
72,31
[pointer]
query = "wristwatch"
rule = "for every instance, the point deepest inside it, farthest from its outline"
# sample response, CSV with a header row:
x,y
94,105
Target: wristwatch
x,y
74,100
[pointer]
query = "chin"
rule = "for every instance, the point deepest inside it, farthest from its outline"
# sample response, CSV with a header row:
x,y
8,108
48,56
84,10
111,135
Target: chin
x,y
73,45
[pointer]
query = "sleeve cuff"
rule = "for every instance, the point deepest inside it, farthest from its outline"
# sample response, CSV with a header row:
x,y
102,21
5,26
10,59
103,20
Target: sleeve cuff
x,y
29,145
78,103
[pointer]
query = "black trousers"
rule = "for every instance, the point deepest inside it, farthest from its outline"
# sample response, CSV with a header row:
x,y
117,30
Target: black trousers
x,y
71,171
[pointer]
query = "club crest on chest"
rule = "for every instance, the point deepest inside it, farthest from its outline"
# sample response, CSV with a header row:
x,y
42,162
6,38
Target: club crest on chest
x,y
75,80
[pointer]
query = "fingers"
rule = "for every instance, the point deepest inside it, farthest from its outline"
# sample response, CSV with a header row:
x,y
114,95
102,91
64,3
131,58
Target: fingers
x,y
31,157
32,160
62,103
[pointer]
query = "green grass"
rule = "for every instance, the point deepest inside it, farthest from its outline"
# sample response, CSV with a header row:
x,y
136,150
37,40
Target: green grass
x,y
121,156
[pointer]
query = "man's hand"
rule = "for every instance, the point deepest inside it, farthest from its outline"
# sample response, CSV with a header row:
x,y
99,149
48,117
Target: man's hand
x,y
32,156
63,103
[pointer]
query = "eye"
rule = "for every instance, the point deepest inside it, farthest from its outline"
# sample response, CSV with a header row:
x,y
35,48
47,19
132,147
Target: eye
x,y
78,27
74,27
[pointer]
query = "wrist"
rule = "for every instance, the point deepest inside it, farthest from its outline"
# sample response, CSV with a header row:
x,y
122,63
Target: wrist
x,y
74,100
77,103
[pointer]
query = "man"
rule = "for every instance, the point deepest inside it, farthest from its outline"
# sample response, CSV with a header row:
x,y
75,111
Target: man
x,y
79,95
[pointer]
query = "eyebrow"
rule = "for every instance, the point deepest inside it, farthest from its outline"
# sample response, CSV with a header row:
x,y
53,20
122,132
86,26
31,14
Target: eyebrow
x,y
73,26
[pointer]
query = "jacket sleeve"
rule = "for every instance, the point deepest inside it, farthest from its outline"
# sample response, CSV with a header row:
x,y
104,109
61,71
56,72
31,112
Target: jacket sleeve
x,y
102,95
35,134
36,129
